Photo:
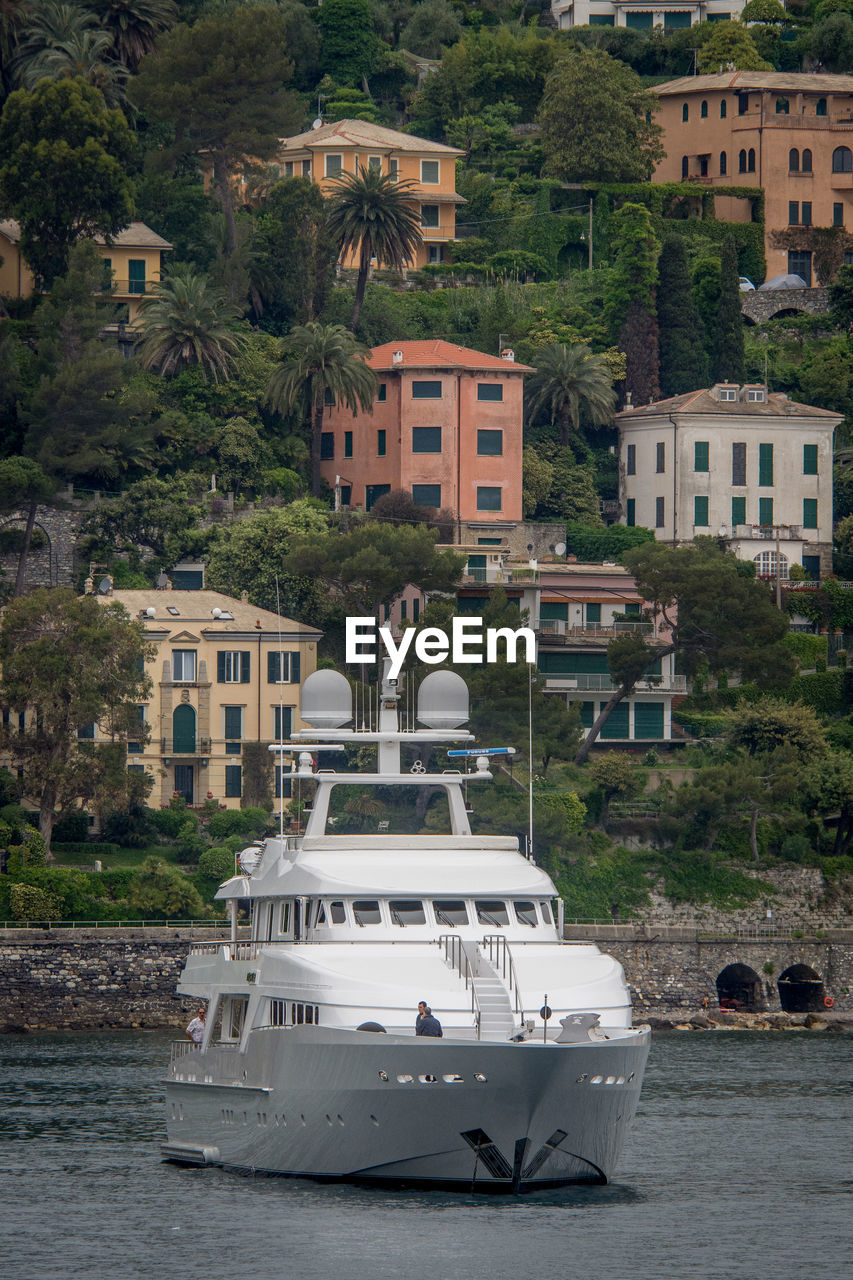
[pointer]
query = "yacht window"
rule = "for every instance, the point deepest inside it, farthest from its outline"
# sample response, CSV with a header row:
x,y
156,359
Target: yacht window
x,y
525,913
367,911
547,914
278,1013
321,914
489,911
451,912
304,1013
405,911
338,913
238,1014
285,918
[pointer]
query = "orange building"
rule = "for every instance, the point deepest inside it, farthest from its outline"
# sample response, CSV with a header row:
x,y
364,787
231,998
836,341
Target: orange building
x,y
787,132
345,146
134,258
446,426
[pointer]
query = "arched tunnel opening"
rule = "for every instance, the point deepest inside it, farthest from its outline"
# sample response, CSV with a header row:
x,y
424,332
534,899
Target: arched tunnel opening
x,y
739,987
801,989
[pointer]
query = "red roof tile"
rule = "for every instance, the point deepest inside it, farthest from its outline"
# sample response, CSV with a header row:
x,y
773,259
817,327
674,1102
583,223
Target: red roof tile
x,y
437,354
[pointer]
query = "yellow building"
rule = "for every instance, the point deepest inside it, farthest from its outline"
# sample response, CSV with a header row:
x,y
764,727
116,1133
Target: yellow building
x,y
345,146
226,674
134,257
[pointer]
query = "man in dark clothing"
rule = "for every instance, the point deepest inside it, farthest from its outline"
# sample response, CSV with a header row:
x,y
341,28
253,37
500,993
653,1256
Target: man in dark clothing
x,y
426,1024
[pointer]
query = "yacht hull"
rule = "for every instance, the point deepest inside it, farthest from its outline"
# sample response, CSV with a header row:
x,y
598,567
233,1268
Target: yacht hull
x,y
314,1102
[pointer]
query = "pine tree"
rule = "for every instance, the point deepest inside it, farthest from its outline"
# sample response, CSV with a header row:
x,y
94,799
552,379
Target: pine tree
x,y
683,362
729,365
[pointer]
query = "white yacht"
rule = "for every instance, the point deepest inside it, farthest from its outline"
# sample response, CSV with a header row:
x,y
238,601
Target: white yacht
x,y
310,1063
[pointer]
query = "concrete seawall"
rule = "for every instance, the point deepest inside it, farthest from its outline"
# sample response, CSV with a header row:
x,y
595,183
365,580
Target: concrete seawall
x,y
79,979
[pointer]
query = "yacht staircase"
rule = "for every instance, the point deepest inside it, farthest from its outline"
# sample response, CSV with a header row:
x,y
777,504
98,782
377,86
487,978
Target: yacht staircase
x,y
488,972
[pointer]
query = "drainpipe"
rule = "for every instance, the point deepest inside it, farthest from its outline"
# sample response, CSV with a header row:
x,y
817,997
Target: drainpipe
x,y
674,476
459,454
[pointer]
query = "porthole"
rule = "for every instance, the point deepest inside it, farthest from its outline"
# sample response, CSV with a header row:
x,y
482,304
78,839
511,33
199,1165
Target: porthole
x,y
383,1076
453,1078
596,1079
302,1119
341,1121
480,1078
610,1080
373,1120
620,1079
329,1120
631,1077
581,1079
404,1079
426,1078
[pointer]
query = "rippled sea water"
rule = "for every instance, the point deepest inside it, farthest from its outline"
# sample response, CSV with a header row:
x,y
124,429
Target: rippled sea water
x,y
740,1168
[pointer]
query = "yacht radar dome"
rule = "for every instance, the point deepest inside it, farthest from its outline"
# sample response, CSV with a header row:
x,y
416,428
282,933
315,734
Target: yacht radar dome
x,y
326,700
443,700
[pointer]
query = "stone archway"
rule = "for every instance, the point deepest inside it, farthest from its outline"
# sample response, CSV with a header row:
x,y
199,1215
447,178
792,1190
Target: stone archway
x,y
739,987
801,989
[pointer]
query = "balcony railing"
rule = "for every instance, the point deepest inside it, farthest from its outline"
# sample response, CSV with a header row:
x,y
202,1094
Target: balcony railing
x,y
131,288
767,532
494,574
185,747
560,629
585,682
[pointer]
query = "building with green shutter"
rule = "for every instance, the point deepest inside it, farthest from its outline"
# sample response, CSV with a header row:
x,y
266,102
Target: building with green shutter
x,y
739,463
226,674
668,14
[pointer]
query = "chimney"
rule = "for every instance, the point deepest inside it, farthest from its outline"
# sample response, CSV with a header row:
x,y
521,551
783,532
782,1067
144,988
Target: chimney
x,y
397,357
508,354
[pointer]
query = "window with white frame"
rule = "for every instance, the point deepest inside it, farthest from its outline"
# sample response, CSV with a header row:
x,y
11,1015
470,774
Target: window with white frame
x,y
183,664
233,666
429,172
334,165
284,667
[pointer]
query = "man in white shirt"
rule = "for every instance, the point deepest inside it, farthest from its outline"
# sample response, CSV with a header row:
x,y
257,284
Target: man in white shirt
x,y
195,1031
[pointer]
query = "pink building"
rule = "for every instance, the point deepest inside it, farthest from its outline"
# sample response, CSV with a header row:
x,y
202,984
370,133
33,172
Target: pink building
x,y
446,426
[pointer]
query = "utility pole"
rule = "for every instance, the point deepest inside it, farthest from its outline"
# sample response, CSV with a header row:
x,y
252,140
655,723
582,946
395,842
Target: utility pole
x,y
589,245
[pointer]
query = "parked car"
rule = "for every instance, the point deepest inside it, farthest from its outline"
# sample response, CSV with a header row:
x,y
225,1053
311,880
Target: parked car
x,y
746,285
787,281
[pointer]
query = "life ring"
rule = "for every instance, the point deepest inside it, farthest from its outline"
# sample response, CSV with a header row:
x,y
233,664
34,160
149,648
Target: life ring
x,y
828,1002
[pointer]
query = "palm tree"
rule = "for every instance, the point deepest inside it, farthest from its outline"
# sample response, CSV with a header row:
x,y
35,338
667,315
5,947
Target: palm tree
x,y
134,25
83,54
317,359
185,322
374,211
48,24
567,380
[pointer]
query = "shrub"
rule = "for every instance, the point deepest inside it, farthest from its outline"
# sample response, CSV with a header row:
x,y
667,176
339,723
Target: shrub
x,y
73,825
796,848
217,864
169,822
247,822
28,902
131,828
807,648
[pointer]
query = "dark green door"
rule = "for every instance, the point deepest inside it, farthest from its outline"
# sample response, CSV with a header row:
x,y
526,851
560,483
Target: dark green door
x,y
184,781
136,275
183,730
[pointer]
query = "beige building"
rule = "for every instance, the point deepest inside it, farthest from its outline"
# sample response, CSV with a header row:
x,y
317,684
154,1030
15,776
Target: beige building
x,y
346,146
134,259
226,674
738,463
787,132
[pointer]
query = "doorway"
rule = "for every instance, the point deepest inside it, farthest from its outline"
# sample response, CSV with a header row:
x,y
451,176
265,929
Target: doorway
x,y
184,781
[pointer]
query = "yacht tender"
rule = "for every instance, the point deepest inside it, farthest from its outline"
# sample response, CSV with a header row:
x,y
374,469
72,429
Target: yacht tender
x,y
310,1065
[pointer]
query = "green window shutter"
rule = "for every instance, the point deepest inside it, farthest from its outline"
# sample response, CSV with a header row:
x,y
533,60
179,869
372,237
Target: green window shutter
x,y
587,713
700,455
765,511
593,614
282,723
245,667
220,666
648,719
765,464
809,459
738,510
549,609
234,781
630,516
809,513
632,608
380,443
617,725
273,668
700,510
295,667
233,723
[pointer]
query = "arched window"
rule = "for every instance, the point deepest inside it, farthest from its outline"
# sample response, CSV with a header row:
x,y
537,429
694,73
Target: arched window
x,y
183,730
723,109
741,162
807,161
684,167
750,160
765,565
793,160
685,114
782,107
724,164
820,109
842,160
703,110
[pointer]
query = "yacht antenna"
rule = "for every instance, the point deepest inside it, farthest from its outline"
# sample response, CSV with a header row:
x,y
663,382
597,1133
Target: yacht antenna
x,y
530,762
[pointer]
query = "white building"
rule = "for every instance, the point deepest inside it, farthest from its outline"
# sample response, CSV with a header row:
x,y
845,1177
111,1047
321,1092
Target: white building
x,y
738,463
630,13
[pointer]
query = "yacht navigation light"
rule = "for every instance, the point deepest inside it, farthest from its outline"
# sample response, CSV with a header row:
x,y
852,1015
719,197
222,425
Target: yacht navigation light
x,y
443,700
326,700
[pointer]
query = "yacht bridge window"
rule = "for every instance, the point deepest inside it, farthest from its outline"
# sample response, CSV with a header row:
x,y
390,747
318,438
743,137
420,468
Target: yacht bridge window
x,y
491,911
405,911
451,912
337,913
366,911
547,914
525,913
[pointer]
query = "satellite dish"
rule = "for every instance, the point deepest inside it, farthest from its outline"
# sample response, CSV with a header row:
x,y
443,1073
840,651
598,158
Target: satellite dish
x,y
217,613
326,700
443,700
318,123
151,612
105,586
560,549
248,859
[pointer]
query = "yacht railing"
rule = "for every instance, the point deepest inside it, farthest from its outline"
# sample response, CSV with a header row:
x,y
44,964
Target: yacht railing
x,y
180,1049
500,957
456,957
229,950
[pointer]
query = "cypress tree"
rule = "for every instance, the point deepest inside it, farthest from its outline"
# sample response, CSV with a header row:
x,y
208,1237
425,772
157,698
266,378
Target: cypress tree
x,y
729,365
638,338
683,362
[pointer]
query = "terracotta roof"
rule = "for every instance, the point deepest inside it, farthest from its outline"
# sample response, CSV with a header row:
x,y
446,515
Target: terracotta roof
x,y
781,81
360,133
195,610
134,236
437,354
777,405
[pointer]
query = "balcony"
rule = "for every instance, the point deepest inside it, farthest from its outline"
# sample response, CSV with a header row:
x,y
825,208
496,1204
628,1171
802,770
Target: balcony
x,y
185,746
584,682
766,532
556,628
494,574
